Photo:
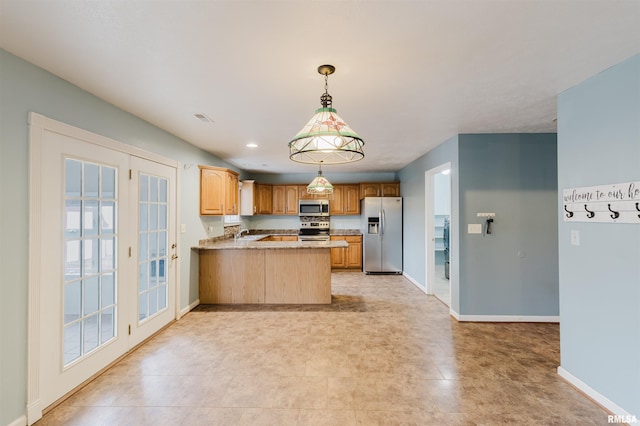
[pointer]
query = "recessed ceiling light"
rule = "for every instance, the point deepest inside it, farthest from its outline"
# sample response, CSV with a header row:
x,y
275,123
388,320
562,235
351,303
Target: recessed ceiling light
x,y
252,145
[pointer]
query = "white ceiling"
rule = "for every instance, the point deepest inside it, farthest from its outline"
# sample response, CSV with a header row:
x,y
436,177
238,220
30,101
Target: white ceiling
x,y
410,74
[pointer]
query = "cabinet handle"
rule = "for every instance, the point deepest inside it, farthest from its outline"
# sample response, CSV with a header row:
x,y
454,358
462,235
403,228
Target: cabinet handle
x,y
255,209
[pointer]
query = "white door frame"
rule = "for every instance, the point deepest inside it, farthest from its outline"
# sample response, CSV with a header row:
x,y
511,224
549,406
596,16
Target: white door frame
x,y
429,237
38,125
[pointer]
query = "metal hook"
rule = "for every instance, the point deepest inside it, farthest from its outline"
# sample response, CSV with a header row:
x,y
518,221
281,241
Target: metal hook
x,y
569,213
638,208
615,214
590,214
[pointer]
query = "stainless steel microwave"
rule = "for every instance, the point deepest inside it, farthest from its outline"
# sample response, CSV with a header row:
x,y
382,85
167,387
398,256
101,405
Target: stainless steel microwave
x,y
313,208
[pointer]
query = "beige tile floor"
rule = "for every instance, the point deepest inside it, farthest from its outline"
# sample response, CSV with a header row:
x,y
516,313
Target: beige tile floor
x,y
382,354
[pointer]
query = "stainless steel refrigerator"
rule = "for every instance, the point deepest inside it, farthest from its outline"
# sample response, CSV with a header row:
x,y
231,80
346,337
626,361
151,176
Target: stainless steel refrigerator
x,y
382,234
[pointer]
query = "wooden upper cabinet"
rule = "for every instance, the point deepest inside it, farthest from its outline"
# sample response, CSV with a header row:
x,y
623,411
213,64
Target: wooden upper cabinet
x,y
336,204
285,199
379,189
390,189
345,200
218,191
291,199
263,198
369,190
351,199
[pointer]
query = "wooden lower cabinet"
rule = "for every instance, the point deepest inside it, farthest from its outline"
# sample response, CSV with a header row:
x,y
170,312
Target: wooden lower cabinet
x,y
350,257
254,276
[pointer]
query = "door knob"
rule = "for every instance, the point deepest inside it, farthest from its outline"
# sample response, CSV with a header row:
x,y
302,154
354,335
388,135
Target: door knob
x,y
174,257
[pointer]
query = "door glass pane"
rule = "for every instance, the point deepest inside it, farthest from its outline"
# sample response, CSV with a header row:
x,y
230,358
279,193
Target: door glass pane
x,y
90,253
153,301
72,345
72,301
91,295
144,246
142,306
91,218
163,193
162,297
153,217
107,217
162,216
153,245
107,325
153,188
90,333
73,178
108,183
90,269
72,219
107,290
72,260
144,188
107,254
144,217
143,277
91,180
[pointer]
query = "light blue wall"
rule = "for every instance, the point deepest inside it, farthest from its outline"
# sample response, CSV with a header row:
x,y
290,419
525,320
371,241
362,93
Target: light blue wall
x,y
598,144
412,186
513,271
25,88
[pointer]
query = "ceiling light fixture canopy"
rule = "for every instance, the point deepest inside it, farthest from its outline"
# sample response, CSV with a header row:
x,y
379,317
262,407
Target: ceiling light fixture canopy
x,y
326,138
320,184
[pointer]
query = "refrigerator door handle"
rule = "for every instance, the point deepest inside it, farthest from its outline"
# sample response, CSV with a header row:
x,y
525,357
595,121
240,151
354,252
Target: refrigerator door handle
x,y
382,223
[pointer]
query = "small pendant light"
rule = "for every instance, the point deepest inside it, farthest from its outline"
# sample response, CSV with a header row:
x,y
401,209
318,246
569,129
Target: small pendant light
x,y
320,185
326,138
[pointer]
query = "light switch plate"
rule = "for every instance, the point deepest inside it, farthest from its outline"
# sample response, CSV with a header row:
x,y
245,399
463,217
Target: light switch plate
x,y
183,228
486,215
474,228
575,237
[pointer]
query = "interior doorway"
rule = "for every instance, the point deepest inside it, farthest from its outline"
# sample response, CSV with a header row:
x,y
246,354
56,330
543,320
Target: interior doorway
x,y
437,232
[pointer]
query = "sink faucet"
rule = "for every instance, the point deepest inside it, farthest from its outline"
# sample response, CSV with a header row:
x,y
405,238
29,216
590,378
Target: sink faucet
x,y
239,234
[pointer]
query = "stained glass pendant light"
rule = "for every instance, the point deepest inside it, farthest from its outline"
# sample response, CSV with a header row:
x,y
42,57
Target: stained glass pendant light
x,y
326,138
320,184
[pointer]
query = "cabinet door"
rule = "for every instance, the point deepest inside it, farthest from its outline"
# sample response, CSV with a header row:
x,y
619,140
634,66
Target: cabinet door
x,y
291,200
279,200
212,184
336,205
338,254
303,194
351,199
265,199
231,194
369,190
390,189
354,252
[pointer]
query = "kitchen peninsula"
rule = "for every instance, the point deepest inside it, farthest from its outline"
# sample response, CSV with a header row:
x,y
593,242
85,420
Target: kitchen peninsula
x,y
254,270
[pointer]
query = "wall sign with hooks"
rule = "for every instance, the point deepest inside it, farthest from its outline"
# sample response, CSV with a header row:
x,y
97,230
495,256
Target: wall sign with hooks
x,y
617,203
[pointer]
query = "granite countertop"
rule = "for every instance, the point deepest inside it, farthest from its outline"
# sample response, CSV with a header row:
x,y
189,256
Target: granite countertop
x,y
253,243
295,232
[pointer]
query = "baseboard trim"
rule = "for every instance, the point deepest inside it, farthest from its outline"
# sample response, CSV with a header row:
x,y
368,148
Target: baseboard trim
x,y
189,308
20,421
454,314
505,318
597,397
414,282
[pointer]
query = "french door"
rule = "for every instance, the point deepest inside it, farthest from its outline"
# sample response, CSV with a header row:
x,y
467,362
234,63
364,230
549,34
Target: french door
x,y
106,267
153,201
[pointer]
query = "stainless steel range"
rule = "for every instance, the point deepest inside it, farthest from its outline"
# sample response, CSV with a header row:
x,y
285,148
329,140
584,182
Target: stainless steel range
x,y
314,228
